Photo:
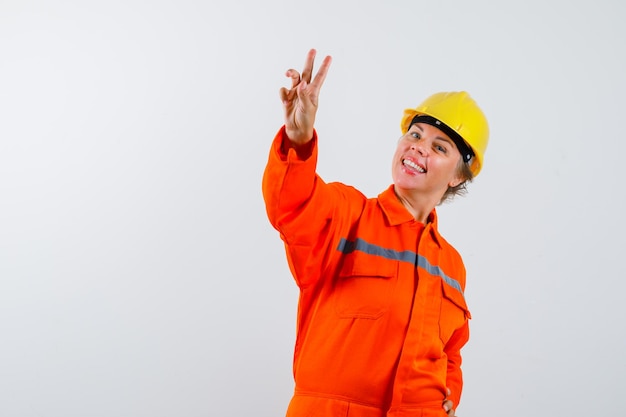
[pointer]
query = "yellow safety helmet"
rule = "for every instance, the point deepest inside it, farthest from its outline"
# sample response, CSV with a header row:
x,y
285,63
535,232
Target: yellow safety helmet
x,y
461,116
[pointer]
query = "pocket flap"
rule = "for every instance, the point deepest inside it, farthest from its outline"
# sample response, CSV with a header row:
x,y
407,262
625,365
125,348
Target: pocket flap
x,y
455,296
360,264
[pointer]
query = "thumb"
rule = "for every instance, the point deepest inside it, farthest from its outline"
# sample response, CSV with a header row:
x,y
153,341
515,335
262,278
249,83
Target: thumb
x,y
303,93
305,96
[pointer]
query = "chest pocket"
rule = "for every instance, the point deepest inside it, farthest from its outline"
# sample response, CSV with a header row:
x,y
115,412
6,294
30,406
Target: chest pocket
x,y
454,311
364,286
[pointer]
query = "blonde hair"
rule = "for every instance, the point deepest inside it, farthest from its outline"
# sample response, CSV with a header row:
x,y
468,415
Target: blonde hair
x,y
463,170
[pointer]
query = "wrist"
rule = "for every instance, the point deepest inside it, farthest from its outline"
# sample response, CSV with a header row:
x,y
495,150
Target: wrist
x,y
303,148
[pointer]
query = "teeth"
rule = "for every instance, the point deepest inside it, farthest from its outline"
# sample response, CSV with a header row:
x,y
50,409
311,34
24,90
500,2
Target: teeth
x,y
413,165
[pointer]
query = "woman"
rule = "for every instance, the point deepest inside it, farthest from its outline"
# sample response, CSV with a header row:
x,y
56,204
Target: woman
x,y
381,316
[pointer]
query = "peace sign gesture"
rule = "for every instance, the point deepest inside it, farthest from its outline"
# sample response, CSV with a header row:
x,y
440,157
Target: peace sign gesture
x,y
301,100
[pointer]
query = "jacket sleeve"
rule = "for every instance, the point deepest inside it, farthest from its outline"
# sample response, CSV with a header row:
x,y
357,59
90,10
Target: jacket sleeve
x,y
288,181
309,213
454,380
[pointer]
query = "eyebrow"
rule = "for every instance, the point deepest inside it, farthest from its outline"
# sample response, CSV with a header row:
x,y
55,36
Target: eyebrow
x,y
447,140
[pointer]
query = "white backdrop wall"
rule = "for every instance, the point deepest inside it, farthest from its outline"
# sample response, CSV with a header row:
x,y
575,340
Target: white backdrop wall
x,y
138,273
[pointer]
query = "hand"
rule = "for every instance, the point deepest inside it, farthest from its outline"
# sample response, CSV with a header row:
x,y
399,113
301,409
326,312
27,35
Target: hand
x,y
301,100
448,406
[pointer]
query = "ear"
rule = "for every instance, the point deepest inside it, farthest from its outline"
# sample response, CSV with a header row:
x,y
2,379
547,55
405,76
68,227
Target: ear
x,y
455,182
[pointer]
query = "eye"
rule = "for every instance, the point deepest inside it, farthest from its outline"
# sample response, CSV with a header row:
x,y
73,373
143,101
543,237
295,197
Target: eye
x,y
415,135
441,148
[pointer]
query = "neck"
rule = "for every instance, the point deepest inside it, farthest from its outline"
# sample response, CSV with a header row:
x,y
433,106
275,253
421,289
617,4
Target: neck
x,y
420,206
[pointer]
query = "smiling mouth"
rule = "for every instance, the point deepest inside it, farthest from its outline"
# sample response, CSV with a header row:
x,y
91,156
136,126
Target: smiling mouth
x,y
413,166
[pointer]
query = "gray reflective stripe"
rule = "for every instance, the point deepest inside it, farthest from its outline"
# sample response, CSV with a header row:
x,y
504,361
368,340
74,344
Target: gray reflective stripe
x,y
346,246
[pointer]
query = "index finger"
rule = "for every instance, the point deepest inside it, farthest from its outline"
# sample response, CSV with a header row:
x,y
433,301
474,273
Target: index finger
x,y
321,73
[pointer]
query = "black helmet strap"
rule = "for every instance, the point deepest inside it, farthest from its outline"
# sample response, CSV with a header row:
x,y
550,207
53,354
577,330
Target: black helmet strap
x,y
462,146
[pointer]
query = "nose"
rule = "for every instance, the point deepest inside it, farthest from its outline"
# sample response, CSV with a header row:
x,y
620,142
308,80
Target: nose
x,y
419,147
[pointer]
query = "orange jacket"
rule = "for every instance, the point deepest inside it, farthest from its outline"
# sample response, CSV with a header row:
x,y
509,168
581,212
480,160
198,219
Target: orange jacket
x,y
381,314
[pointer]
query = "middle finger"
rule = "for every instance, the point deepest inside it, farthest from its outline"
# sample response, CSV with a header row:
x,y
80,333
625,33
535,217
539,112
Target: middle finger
x,y
307,71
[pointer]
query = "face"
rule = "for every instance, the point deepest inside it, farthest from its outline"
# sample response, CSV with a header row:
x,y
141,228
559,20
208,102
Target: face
x,y
425,161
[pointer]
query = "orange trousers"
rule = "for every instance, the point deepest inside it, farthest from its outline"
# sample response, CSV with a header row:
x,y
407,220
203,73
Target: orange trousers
x,y
310,406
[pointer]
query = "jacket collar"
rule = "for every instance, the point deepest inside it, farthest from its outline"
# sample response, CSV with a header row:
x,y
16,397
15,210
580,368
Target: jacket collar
x,y
396,213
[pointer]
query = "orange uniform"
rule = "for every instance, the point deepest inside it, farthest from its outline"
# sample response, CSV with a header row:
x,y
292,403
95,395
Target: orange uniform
x,y
381,314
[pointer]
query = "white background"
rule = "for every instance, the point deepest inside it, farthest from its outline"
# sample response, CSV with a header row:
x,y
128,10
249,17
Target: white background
x,y
139,275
